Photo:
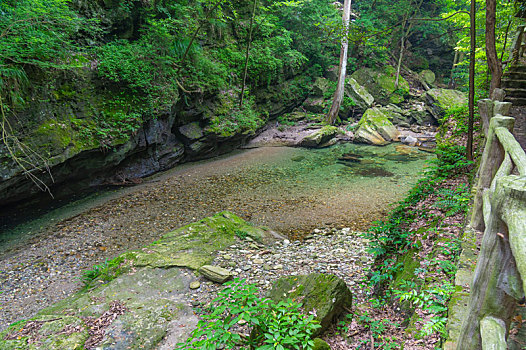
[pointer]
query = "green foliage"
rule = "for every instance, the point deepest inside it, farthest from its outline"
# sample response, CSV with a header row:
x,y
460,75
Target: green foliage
x,y
36,34
453,201
505,20
230,119
377,329
103,273
432,301
271,325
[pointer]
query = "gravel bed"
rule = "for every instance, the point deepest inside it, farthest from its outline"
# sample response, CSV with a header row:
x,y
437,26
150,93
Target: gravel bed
x,y
339,252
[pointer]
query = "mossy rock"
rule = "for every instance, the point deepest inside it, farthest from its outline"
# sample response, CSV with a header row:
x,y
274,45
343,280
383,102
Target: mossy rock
x,y
319,137
320,344
428,76
376,128
358,94
148,284
49,332
320,87
381,84
325,295
194,245
443,99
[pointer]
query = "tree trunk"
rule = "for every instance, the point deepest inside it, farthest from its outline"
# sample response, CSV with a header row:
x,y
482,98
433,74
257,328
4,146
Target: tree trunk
x,y
247,55
402,48
338,94
494,64
471,98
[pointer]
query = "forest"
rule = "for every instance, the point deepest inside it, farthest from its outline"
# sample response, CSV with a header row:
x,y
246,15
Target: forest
x,y
262,174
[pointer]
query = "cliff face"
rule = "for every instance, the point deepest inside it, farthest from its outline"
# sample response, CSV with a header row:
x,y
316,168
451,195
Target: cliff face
x,y
134,95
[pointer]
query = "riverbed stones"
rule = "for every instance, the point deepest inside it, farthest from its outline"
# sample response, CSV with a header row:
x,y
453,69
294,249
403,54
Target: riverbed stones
x,y
216,273
323,295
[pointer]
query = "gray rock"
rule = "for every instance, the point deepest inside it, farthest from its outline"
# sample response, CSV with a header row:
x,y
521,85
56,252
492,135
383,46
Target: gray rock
x,y
319,137
428,76
314,104
191,131
358,94
324,295
320,87
216,273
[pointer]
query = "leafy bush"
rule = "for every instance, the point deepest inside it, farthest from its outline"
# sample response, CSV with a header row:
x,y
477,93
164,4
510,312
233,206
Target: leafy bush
x,y
271,325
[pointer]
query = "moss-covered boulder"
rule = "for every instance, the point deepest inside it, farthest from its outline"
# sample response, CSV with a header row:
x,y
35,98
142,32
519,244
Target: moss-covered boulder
x,y
194,245
320,137
314,104
320,87
428,76
381,84
376,128
358,94
320,344
441,100
324,295
141,302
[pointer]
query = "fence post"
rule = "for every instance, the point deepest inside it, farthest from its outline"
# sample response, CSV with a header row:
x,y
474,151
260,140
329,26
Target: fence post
x,y
491,159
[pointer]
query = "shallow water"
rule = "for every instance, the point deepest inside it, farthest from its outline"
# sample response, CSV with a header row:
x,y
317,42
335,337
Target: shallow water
x,y
291,190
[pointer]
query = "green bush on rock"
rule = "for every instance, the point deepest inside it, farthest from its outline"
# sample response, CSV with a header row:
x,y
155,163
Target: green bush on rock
x,y
271,325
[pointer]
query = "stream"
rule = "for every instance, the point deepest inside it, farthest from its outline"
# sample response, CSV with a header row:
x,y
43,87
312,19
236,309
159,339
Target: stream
x,y
290,190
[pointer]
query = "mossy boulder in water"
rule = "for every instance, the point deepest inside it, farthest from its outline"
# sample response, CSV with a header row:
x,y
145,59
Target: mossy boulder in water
x,y
320,137
358,94
324,295
381,84
376,128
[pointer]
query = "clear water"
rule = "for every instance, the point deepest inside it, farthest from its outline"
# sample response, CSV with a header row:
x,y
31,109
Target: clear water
x,y
291,190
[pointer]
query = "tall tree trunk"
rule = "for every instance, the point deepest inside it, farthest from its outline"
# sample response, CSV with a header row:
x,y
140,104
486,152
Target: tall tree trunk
x,y
247,55
402,48
342,70
494,64
471,97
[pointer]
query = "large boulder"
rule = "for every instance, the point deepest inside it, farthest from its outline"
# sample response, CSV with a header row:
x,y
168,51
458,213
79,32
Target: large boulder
x,y
358,94
141,300
428,76
376,128
320,137
381,84
441,100
314,104
320,87
324,295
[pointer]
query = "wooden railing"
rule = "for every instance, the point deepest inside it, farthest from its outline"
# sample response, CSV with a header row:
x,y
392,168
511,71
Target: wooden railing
x,y
517,47
499,210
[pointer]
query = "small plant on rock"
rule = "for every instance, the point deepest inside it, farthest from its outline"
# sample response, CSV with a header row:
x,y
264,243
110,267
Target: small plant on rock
x,y
238,318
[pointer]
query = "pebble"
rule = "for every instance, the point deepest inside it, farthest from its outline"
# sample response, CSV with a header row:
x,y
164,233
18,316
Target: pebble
x,y
195,285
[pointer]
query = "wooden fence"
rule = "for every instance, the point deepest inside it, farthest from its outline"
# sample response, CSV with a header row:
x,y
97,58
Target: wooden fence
x,y
500,211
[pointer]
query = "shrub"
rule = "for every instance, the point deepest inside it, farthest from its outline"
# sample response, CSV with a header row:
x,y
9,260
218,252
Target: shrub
x,y
271,325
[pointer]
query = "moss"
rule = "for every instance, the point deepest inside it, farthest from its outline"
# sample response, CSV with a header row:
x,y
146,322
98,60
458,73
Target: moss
x,y
194,245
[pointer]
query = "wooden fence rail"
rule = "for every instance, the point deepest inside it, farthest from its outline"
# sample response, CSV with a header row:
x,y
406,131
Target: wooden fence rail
x,y
499,210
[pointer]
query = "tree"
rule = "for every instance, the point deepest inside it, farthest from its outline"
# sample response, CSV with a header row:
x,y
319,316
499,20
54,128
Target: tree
x,y
338,94
471,97
494,63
